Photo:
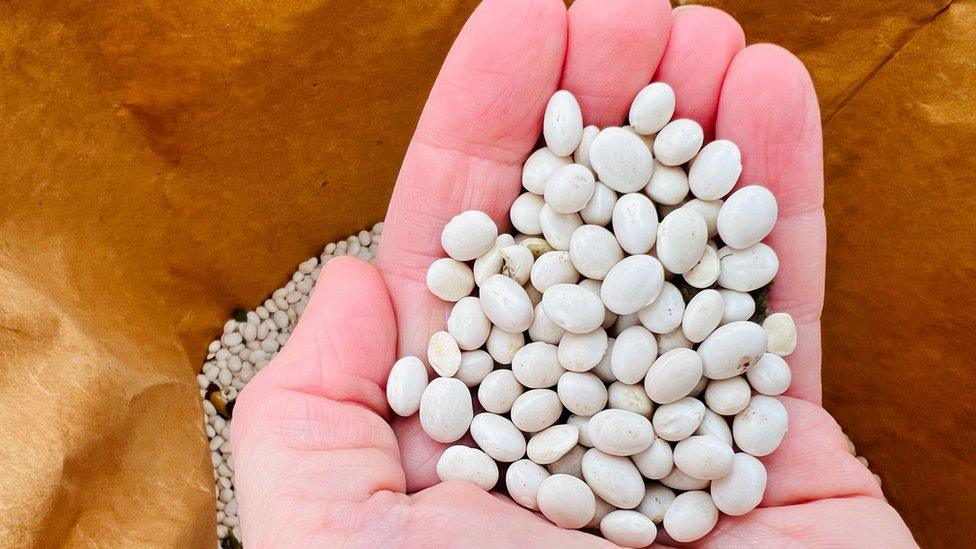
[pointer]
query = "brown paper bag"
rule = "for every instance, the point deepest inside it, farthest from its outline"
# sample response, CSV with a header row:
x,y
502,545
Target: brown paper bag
x,y
165,163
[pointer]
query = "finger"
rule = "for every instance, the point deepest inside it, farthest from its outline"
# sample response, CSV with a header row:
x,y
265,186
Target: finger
x,y
480,122
702,44
769,108
418,453
308,427
613,50
849,522
812,462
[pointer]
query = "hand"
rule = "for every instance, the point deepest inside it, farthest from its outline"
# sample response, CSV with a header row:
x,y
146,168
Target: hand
x,y
318,462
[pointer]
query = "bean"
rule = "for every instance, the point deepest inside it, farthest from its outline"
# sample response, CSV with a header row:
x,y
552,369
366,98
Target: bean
x,y
562,125
681,240
566,501
443,354
673,375
468,324
536,365
499,391
594,251
632,398
715,170
475,366
678,420
702,315
635,223
728,396
490,263
536,409
632,284
498,437
703,456
716,426
668,185
678,142
571,463
502,345
770,376
656,461
760,427
538,167
405,386
747,269
522,480
674,339
731,349
516,263
581,423
690,516
619,432
445,409
573,308
469,465
582,153
747,216
628,528
656,501
741,490
613,478
780,334
569,189
599,210
738,306
544,329
664,314
555,267
558,228
550,444
468,235
581,352
634,351
506,304
621,160
525,213
582,393
706,271
652,108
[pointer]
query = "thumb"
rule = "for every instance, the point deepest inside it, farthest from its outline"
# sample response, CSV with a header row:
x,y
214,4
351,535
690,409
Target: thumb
x,y
310,427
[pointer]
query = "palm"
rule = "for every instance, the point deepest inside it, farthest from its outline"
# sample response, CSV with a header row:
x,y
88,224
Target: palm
x,y
316,460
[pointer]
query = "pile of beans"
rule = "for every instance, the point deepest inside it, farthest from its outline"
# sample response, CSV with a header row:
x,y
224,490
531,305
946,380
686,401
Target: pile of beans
x,y
608,344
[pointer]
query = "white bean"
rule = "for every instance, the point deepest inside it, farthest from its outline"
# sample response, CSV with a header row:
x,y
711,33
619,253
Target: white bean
x,y
613,478
632,284
708,209
538,167
691,516
582,393
544,329
468,464
742,489
555,267
632,398
656,501
716,426
656,461
678,420
449,279
664,314
759,429
770,376
581,352
502,345
490,263
652,109
634,351
573,308
599,210
780,334
536,409
405,386
498,437
571,463
594,251
703,456
715,170
468,324
728,397
603,370
673,375
566,501
594,287
668,185
678,142
628,528
550,444
569,189
679,480
620,432
674,339
682,237
558,228
635,223
602,509
522,480
517,263
738,306
621,160
582,153
468,235
731,349
475,366
525,213
702,315
581,423
445,409
706,271
748,269
443,354
536,365
562,125
506,304
498,391
747,216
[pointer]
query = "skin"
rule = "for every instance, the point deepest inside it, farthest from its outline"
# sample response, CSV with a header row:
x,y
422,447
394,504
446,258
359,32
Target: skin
x,y
319,459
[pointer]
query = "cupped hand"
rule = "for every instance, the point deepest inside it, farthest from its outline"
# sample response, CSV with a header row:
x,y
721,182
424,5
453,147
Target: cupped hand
x,y
319,462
